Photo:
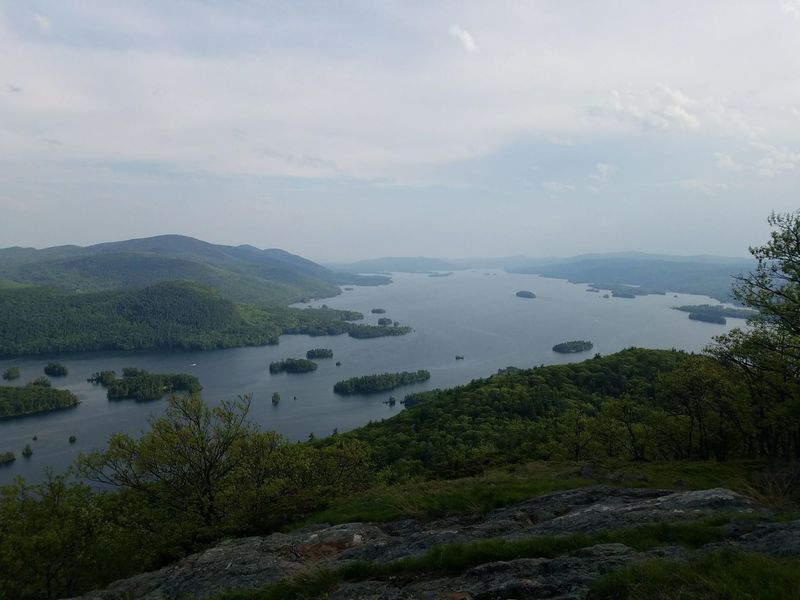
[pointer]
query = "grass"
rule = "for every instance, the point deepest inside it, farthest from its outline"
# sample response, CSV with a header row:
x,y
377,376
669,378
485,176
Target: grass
x,y
456,558
715,576
516,483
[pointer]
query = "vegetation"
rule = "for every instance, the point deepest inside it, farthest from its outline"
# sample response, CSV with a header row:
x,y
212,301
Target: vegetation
x,y
27,451
720,574
139,385
55,370
318,353
525,294
72,439
573,347
39,320
708,318
292,365
11,374
32,399
103,378
372,384
717,309
378,311
384,321
7,458
362,332
40,381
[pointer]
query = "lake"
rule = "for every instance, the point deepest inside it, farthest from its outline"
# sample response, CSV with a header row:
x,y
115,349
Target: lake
x,y
475,314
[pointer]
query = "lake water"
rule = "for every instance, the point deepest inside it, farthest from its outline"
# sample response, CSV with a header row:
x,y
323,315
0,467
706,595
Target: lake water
x,y
471,313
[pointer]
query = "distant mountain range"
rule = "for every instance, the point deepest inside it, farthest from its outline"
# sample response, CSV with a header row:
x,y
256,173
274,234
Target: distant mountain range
x,y
239,273
648,273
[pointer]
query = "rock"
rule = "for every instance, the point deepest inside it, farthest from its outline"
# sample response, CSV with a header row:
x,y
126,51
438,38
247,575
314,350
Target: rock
x,y
251,563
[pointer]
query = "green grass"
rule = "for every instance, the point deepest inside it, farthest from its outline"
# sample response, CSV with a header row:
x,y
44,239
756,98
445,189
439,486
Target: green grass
x,y
456,558
715,576
516,483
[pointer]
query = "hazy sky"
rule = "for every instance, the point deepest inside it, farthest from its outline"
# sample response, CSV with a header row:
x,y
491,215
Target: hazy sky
x,y
342,130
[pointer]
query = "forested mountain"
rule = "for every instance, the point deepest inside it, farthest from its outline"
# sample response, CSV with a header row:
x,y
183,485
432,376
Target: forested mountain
x,y
239,273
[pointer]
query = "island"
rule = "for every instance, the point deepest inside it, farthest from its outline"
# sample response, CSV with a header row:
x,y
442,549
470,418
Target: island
x,y
7,458
384,321
437,274
141,386
525,294
72,439
363,332
102,378
292,365
27,451
11,374
55,370
40,381
716,310
573,347
378,311
459,357
319,353
373,384
33,399
708,318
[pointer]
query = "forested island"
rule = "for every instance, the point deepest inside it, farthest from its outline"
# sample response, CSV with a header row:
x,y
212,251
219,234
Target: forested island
x,y
33,399
142,386
55,370
6,458
319,353
378,311
11,374
293,365
372,384
525,294
708,318
373,331
716,310
573,347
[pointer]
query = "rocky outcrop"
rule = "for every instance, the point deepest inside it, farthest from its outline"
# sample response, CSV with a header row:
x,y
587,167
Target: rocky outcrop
x,y
250,563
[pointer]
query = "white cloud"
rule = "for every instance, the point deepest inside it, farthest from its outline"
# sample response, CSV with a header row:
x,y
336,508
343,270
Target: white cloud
x,y
602,172
700,186
727,162
42,23
658,108
556,187
560,141
792,8
464,37
776,161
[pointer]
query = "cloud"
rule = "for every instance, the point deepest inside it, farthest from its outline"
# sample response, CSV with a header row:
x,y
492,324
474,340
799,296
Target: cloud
x,y
792,8
13,89
43,23
464,37
602,172
658,108
776,161
700,186
726,161
556,187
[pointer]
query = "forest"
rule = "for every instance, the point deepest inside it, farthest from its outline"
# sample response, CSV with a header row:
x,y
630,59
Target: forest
x,y
319,353
292,365
141,386
383,382
181,315
202,473
31,399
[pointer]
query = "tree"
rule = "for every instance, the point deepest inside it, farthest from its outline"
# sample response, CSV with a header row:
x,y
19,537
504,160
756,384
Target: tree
x,y
767,356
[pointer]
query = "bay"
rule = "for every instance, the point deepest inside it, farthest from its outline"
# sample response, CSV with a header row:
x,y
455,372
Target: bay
x,y
474,314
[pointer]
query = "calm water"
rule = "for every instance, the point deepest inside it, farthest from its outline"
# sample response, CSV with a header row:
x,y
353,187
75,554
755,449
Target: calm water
x,y
472,313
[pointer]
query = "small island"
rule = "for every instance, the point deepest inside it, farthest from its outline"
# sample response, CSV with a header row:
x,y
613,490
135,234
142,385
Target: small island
x,y
573,347
55,370
384,321
373,384
364,332
708,318
292,365
716,310
40,381
141,386
103,378
33,399
11,374
7,458
319,353
378,311
525,294
438,274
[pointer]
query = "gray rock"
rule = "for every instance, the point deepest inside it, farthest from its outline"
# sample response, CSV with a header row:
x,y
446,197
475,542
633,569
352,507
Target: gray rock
x,y
250,563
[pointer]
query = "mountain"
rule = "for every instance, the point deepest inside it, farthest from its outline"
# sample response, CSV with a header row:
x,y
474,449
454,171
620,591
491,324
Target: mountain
x,y
238,273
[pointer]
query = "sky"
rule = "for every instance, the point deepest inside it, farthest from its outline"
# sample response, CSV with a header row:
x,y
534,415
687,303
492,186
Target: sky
x,y
341,130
